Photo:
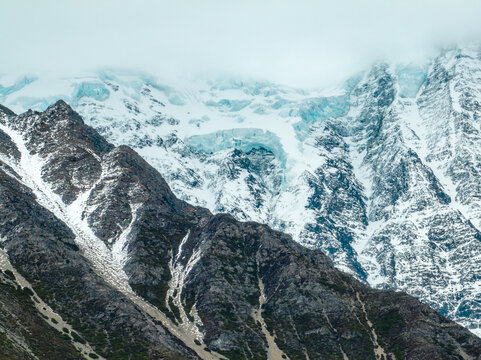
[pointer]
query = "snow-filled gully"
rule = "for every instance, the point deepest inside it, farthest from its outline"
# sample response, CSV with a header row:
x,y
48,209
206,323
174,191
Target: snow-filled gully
x,y
273,351
176,286
30,170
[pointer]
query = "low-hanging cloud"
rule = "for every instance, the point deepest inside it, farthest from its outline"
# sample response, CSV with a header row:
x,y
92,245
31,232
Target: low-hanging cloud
x,y
301,43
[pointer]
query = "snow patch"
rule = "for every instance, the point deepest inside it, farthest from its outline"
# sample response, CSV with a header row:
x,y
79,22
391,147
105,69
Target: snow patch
x,y
180,272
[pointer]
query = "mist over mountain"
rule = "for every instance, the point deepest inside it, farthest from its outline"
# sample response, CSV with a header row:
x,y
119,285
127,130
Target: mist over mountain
x,y
252,180
304,44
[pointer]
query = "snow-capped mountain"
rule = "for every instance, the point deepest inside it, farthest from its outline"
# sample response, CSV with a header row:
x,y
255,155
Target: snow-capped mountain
x,y
100,260
379,173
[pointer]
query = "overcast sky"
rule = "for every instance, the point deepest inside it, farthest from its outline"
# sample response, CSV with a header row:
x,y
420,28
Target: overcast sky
x,y
301,43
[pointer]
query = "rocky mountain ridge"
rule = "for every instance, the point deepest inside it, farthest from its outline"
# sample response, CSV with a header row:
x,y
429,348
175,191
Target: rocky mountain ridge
x,y
95,233
380,173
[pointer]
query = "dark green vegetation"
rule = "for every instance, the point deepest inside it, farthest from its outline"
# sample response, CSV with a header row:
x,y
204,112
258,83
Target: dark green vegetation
x,y
23,333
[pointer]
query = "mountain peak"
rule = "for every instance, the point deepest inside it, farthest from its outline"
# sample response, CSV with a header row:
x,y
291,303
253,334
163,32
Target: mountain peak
x,y
60,104
62,110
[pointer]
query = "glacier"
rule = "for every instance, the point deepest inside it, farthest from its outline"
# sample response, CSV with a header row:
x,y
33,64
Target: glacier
x,y
94,90
16,86
324,108
410,79
229,105
244,139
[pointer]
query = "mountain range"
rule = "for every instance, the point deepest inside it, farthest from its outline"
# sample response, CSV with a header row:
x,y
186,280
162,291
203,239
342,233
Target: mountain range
x,y
99,259
380,174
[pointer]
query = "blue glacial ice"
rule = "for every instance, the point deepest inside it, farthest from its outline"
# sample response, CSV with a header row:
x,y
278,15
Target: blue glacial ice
x,y
319,109
410,79
226,105
324,108
244,139
302,130
18,85
279,103
94,90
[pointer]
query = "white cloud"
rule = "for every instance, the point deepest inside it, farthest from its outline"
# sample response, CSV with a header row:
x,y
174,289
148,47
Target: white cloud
x,y
308,43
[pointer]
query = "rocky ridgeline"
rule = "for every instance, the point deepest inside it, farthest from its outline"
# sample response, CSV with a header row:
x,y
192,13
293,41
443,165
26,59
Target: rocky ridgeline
x,y
137,273
383,178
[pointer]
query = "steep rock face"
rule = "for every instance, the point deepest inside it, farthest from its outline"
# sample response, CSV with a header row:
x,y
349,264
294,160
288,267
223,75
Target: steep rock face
x,y
418,238
46,252
244,260
72,169
139,273
337,202
252,175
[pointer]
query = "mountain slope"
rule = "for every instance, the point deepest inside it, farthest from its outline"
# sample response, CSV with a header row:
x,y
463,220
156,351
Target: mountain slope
x,y
379,173
137,273
24,333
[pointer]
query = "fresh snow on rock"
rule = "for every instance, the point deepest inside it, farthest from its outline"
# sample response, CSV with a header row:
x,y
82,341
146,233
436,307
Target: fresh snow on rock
x,y
30,170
